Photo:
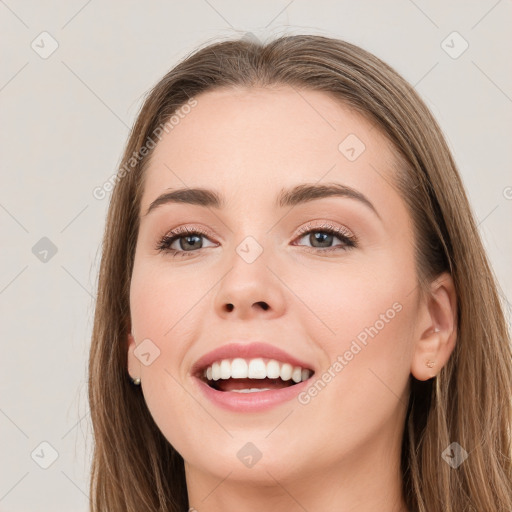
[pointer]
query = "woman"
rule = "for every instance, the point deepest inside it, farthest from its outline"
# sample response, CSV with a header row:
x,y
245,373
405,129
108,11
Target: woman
x,y
295,310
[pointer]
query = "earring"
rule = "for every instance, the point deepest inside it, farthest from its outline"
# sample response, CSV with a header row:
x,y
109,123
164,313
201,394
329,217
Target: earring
x,y
136,381
430,364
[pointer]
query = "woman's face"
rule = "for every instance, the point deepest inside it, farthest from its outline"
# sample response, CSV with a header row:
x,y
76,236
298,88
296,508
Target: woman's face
x,y
344,304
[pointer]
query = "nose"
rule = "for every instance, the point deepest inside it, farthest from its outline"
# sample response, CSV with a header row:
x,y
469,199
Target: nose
x,y
250,290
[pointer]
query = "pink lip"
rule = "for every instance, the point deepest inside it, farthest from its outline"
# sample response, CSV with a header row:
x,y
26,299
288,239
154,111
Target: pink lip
x,y
246,351
251,402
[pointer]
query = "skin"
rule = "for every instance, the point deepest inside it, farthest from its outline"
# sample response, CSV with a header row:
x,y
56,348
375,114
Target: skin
x,y
340,452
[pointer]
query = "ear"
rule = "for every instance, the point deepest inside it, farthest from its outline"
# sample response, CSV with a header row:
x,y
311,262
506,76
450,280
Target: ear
x,y
133,362
437,329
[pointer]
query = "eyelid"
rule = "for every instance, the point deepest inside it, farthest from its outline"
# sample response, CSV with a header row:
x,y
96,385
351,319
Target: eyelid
x,y
326,225
190,228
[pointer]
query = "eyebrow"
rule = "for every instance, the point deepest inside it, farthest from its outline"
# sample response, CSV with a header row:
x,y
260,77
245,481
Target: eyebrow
x,y
298,194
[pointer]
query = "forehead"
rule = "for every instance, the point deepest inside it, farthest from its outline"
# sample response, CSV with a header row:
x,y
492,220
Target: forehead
x,y
249,141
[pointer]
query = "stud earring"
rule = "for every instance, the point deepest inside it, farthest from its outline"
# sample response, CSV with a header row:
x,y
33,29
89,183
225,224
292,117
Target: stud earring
x,y
136,381
430,364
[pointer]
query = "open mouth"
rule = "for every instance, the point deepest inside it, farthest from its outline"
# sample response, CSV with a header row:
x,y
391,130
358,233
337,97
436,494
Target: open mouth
x,y
248,385
252,377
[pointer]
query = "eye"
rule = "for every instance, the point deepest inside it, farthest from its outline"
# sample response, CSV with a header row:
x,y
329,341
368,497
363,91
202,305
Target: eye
x,y
321,237
185,239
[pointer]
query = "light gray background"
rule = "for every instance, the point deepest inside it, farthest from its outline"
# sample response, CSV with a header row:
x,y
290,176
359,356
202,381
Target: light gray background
x,y
65,120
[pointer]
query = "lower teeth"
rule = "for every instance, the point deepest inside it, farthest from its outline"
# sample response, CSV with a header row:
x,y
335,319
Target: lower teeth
x,y
252,390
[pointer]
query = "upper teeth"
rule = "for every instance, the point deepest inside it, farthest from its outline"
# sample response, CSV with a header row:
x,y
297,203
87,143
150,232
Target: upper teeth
x,y
239,368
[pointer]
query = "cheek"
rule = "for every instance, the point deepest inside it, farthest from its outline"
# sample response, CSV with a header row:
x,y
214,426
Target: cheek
x,y
157,303
366,331
362,390
368,299
160,297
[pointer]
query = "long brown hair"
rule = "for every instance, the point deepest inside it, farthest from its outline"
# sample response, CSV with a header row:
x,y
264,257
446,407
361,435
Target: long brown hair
x,y
134,467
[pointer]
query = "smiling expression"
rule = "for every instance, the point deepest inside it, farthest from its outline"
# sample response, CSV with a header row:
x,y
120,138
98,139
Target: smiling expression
x,y
259,256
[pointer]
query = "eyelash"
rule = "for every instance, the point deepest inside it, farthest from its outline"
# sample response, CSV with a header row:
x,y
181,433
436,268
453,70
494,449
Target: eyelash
x,y
348,239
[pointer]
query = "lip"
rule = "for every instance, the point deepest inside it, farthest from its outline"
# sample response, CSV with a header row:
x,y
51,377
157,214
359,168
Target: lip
x,y
246,351
250,402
